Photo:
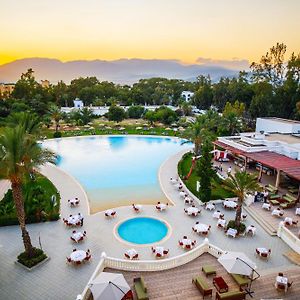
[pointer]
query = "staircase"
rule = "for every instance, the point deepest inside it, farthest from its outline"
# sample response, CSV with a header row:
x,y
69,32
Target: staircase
x,y
260,219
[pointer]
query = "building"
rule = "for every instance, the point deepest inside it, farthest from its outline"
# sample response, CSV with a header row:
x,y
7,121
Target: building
x,y
272,125
187,95
6,89
45,83
78,103
275,150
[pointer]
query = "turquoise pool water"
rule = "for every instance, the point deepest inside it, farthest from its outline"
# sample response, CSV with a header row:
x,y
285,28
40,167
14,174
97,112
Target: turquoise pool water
x,y
116,170
142,230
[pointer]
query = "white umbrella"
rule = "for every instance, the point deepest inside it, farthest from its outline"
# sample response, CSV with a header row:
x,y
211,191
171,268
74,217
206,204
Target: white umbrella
x,y
237,263
138,128
109,286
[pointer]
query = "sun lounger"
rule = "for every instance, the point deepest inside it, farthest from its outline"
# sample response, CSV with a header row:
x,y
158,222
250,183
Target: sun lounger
x,y
240,280
233,295
202,286
274,196
274,202
271,188
289,197
209,270
140,288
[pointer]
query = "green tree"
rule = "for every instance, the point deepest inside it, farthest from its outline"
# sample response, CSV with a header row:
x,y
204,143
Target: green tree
x,y
56,115
19,154
240,184
116,113
205,172
204,94
135,112
30,122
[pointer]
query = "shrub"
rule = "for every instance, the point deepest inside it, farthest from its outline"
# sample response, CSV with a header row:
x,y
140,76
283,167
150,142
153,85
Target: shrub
x,y
38,256
135,112
57,134
241,229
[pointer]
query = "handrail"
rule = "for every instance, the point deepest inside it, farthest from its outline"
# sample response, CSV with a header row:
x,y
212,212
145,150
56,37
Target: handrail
x,y
151,265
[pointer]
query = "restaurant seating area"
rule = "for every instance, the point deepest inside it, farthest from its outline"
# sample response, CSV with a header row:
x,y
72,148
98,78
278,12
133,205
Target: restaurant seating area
x,y
189,282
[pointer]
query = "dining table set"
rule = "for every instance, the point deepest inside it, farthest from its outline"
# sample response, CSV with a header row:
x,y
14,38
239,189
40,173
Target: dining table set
x,y
201,228
192,211
187,243
160,251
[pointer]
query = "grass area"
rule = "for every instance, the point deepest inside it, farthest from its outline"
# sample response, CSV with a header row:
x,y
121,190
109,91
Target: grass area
x,y
183,169
38,202
114,131
38,256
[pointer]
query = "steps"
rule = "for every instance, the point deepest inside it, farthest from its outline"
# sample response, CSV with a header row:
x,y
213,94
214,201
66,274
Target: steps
x,y
270,229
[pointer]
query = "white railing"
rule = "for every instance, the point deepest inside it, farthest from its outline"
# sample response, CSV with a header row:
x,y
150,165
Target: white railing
x,y
151,265
288,237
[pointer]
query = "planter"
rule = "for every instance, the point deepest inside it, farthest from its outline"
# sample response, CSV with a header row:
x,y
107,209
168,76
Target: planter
x,y
34,267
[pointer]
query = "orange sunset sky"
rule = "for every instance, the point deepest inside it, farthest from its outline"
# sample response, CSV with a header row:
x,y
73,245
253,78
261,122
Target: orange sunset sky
x,y
163,29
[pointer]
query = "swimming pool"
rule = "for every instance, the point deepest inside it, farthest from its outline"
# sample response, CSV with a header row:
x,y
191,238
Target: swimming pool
x,y
116,170
142,230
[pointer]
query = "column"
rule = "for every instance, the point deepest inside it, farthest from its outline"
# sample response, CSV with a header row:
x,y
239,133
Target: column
x,y
277,179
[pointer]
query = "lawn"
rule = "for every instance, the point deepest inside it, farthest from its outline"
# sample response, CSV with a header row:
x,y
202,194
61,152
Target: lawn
x,y
183,169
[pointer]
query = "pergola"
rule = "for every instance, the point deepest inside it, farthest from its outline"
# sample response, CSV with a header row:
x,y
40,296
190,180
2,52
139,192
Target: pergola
x,y
278,162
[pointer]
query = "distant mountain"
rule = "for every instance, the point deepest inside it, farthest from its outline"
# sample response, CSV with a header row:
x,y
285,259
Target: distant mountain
x,y
124,71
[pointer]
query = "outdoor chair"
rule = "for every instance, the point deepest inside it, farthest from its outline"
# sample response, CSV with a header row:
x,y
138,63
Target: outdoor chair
x,y
280,274
74,249
69,259
209,270
78,262
136,256
165,252
180,243
290,284
126,255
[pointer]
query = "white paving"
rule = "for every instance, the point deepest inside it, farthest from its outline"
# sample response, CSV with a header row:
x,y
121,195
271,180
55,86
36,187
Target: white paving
x,y
57,280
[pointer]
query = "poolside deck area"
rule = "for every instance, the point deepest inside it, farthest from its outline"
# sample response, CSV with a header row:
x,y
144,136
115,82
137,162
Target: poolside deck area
x,y
57,280
177,283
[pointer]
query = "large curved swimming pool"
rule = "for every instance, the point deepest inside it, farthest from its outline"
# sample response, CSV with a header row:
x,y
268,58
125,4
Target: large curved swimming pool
x,y
142,230
116,170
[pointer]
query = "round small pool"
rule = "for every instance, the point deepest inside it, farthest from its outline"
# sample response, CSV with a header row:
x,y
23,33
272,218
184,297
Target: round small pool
x,y
142,230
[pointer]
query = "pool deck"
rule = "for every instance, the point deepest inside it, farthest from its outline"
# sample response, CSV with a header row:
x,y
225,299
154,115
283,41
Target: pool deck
x,y
57,280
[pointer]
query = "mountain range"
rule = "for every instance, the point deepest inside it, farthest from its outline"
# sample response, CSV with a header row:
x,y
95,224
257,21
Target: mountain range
x,y
123,71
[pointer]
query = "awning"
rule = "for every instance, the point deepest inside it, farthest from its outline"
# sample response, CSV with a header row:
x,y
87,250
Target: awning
x,y
229,148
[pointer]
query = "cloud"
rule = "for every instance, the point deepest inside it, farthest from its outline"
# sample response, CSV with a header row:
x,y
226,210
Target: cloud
x,y
234,63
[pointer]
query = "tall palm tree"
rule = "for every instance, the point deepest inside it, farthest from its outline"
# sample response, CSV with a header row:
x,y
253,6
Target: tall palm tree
x,y
56,115
19,154
240,184
29,121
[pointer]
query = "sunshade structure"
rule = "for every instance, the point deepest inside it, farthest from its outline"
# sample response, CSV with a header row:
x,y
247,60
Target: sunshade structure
x,y
237,263
110,286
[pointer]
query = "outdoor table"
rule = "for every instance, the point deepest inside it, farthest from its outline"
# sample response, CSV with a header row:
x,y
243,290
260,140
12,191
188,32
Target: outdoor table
x,y
277,212
173,181
251,229
298,211
159,251
74,201
288,220
217,215
231,232
192,211
110,213
266,206
77,236
229,204
200,228
182,194
131,253
161,206
210,206
78,255
262,250
187,243
188,200
282,280
221,223
74,220
137,207
220,284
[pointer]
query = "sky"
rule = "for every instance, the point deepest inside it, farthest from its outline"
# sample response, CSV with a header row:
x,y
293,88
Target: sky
x,y
191,31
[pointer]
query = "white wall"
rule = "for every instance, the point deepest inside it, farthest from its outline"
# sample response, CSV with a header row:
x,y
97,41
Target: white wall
x,y
276,125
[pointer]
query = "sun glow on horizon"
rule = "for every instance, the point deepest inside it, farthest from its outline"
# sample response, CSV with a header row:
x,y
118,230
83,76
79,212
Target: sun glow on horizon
x,y
169,29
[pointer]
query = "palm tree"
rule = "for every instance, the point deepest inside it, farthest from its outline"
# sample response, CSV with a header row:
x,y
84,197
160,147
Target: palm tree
x,y
240,184
29,121
19,154
56,115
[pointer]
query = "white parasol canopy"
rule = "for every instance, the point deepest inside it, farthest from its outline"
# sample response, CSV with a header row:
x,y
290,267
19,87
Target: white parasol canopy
x,y
237,263
109,286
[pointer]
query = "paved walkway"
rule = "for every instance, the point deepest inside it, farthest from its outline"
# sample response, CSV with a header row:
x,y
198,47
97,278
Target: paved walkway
x,y
56,280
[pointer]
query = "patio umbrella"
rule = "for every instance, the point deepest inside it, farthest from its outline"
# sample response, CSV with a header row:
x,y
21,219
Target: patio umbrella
x,y
237,263
109,286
